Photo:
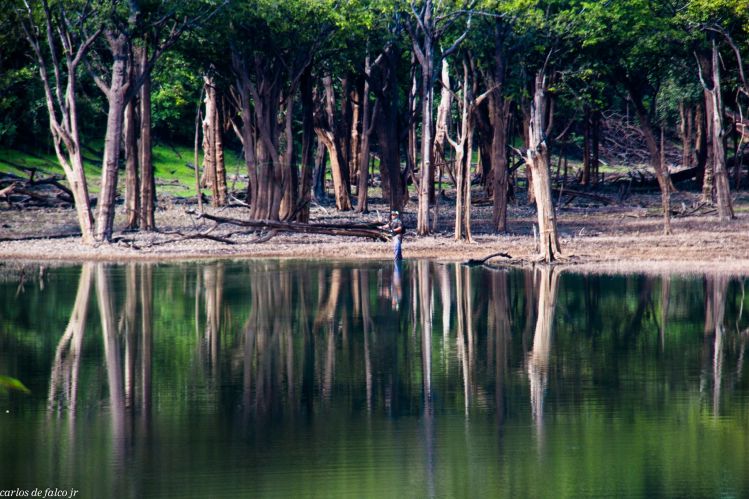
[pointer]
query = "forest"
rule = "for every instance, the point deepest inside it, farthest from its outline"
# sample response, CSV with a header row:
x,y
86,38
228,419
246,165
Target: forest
x,y
428,106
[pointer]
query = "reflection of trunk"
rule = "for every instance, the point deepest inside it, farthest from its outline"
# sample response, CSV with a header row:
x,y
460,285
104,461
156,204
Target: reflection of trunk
x,y
499,336
464,340
665,302
425,300
213,282
65,366
366,323
720,288
112,357
146,299
129,323
538,358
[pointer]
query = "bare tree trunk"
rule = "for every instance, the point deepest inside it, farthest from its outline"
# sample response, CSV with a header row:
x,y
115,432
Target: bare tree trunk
x,y
722,186
148,182
709,68
308,135
289,172
132,181
218,153
110,166
326,133
60,94
537,162
656,161
367,124
427,177
586,147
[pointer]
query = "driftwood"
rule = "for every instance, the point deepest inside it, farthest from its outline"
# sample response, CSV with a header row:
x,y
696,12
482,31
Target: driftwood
x,y
481,261
574,193
46,192
371,230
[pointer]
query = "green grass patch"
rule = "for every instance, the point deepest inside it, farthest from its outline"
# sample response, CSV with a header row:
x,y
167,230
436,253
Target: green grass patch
x,y
173,175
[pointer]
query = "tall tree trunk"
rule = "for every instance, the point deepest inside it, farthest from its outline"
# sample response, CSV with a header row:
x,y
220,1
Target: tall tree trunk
x,y
537,162
386,78
116,107
367,123
586,147
148,182
656,162
722,186
318,181
209,146
290,173
700,142
246,133
308,155
132,181
426,178
218,152
326,129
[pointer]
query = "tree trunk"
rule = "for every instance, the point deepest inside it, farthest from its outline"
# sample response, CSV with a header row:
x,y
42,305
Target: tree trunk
x,y
700,143
326,133
386,78
308,156
290,173
715,185
218,152
247,131
722,186
132,183
116,106
209,147
586,147
148,182
318,181
537,163
656,161
426,177
367,124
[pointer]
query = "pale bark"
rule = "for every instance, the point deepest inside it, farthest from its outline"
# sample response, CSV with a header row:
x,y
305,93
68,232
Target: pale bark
x,y
132,178
538,358
60,92
537,163
367,122
326,128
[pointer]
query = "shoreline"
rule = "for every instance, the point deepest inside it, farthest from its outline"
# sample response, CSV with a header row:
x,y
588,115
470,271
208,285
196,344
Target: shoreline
x,y
618,239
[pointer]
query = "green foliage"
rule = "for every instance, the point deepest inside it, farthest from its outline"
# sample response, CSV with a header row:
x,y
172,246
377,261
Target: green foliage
x,y
8,383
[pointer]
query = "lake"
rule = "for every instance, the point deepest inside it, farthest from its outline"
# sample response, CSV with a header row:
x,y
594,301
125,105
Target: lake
x,y
309,379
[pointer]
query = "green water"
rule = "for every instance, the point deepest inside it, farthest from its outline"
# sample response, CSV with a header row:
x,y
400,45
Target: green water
x,y
299,379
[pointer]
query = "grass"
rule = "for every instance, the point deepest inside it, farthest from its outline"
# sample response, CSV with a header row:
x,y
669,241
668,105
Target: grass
x,y
173,175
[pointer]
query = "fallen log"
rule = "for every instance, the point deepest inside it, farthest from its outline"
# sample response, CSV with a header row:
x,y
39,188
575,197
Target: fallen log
x,y
371,230
573,194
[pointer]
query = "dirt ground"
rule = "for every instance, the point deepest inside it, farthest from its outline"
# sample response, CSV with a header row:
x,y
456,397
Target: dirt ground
x,y
621,237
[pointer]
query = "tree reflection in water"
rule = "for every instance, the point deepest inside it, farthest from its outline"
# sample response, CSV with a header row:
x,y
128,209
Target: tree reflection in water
x,y
273,344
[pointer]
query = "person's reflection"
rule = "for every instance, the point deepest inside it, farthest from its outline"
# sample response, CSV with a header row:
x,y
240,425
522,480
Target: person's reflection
x,y
396,286
538,358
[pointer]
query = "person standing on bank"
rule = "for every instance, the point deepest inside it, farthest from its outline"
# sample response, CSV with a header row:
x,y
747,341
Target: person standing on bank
x,y
396,229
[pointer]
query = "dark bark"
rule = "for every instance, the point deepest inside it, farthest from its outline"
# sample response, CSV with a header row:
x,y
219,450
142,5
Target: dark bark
x,y
308,155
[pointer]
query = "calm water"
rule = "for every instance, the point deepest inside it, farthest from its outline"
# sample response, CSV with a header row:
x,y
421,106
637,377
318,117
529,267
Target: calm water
x,y
294,379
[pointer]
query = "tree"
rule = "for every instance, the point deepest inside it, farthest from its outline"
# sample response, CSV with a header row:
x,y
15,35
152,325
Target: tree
x,y
67,44
427,26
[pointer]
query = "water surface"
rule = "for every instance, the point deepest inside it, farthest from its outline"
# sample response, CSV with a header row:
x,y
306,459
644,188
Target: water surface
x,y
298,379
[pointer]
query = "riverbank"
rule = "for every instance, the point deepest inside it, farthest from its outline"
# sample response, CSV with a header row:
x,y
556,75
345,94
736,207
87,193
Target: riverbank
x,y
621,237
